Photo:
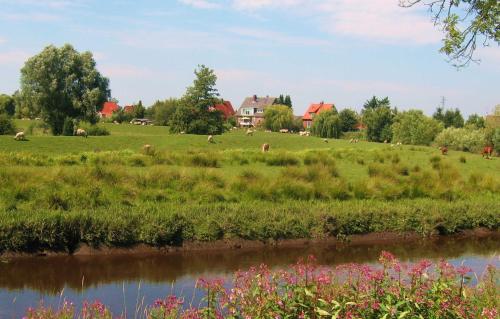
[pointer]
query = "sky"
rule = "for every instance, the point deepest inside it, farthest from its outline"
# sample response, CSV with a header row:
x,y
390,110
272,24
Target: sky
x,y
336,51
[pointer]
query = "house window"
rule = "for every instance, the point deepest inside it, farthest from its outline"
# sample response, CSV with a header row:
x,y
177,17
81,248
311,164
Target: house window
x,y
260,110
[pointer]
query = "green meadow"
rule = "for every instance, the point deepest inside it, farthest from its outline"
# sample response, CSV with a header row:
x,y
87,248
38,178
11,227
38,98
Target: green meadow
x,y
59,192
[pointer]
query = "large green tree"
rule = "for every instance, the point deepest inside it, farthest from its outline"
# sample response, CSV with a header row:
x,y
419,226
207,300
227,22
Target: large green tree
x,y
162,111
413,127
327,124
378,123
7,105
193,114
375,102
349,119
465,23
63,83
475,121
278,117
449,117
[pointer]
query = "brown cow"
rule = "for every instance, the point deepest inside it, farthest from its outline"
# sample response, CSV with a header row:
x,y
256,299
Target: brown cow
x,y
265,147
487,151
444,150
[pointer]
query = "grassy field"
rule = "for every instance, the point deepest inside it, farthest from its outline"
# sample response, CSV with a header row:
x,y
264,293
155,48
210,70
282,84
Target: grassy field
x,y
56,192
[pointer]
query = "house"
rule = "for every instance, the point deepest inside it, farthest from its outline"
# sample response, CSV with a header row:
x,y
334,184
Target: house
x,y
226,108
108,109
128,109
251,111
313,110
360,127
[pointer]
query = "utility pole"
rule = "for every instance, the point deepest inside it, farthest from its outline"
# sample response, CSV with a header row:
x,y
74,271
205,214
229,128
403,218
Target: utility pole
x,y
443,102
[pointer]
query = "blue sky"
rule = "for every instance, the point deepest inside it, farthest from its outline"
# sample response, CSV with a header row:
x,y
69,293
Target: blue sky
x,y
340,51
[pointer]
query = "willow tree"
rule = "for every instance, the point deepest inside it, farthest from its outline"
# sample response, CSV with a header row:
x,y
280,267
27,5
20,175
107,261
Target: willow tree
x,y
63,84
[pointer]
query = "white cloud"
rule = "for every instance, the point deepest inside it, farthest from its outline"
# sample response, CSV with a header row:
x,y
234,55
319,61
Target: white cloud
x,y
201,4
30,16
379,20
251,5
50,4
125,71
277,37
14,57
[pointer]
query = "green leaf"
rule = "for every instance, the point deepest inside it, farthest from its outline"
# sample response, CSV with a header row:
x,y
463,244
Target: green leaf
x,y
322,312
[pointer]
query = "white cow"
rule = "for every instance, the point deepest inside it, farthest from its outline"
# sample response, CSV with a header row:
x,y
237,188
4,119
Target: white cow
x,y
20,136
81,132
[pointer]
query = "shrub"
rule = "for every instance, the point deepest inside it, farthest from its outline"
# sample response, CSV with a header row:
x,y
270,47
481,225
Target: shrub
x,y
7,126
95,130
413,127
462,139
281,159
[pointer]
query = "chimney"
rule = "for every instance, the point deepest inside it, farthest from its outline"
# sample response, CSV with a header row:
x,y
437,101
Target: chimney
x,y
321,103
255,97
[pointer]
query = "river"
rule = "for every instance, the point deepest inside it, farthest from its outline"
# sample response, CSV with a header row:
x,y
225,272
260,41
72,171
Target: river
x,y
121,280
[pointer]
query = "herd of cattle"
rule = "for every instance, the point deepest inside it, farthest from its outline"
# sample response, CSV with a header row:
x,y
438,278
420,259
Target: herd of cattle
x,y
487,150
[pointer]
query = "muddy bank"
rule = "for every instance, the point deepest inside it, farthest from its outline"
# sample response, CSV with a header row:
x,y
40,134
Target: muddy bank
x,y
240,244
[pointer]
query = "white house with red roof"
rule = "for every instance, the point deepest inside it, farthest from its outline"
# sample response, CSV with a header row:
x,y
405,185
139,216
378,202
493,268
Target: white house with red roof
x,y
313,110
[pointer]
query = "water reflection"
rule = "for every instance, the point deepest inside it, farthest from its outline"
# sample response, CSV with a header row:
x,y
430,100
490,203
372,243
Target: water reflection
x,y
49,275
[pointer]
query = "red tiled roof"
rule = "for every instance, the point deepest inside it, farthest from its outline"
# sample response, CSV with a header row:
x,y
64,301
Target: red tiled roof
x,y
316,109
360,126
128,109
109,108
226,108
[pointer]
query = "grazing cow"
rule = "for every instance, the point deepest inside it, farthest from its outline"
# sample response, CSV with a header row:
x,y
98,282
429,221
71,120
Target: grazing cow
x,y
81,132
304,133
356,141
147,149
284,130
210,139
325,140
385,141
183,132
249,132
265,147
20,136
487,151
444,150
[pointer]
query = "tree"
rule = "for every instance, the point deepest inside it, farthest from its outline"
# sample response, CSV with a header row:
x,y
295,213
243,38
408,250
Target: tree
x,y
7,105
475,121
283,100
348,120
375,102
378,123
63,83
139,110
413,127
202,94
7,126
465,24
327,125
449,117
193,114
278,117
162,111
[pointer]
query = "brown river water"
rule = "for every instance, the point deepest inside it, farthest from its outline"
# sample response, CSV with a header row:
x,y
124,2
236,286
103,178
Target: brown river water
x,y
120,280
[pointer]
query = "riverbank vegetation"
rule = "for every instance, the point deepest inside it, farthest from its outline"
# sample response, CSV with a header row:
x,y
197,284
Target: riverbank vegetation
x,y
390,289
160,197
